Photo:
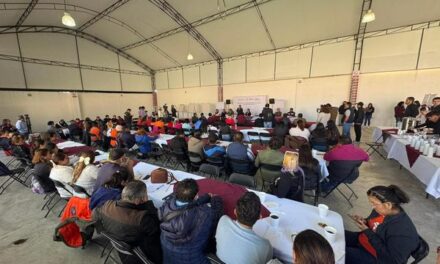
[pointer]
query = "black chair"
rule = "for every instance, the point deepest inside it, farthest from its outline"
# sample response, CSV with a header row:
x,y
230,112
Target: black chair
x,y
214,259
50,207
239,166
254,137
209,170
375,147
216,161
269,173
243,180
126,249
15,174
156,151
179,158
195,160
80,190
421,252
167,154
343,172
265,138
316,187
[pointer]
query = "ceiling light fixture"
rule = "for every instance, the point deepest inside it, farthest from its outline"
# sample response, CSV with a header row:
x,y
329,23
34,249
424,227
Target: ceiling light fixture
x,y
67,19
189,57
369,16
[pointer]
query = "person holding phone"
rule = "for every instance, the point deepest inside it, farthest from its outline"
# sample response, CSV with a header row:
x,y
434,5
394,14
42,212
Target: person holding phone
x,y
387,235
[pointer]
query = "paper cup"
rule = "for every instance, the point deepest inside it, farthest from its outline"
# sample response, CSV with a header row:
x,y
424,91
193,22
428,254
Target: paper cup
x,y
438,151
330,233
430,152
274,220
323,210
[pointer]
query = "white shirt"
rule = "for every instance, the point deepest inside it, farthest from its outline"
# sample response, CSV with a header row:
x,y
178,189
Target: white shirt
x,y
87,179
323,118
297,132
239,245
62,174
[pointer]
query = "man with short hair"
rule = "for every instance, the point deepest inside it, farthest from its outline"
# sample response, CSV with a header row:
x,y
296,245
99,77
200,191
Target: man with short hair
x,y
132,220
236,241
117,159
435,104
240,110
348,119
411,110
187,224
291,113
267,116
195,143
212,149
128,118
239,151
21,126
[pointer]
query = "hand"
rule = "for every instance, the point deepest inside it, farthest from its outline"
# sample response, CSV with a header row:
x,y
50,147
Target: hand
x,y
361,225
358,218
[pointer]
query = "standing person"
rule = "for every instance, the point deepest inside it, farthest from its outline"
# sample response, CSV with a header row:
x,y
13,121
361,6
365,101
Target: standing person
x,y
435,104
173,111
28,123
128,118
310,247
142,112
358,119
387,235
348,119
267,116
324,115
291,113
412,110
341,112
399,112
240,110
21,126
368,114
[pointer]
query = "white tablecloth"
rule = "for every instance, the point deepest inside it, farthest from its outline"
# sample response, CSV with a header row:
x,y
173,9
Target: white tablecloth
x,y
162,139
377,133
69,144
427,170
254,129
294,216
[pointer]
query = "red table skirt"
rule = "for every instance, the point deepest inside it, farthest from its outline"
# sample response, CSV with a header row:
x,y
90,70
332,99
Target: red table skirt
x,y
413,154
76,150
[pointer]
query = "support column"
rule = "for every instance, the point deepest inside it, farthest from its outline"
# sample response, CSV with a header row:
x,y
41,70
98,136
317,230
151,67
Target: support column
x,y
220,81
153,86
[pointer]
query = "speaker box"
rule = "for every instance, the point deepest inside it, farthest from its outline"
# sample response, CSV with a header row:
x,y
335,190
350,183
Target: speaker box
x,y
271,101
228,101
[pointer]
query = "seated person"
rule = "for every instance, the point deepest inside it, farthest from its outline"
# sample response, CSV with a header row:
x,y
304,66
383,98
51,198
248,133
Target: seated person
x,y
178,143
300,130
194,118
74,130
318,138
20,148
177,124
239,151
310,167
117,160
144,142
280,130
186,126
345,150
225,132
187,224
5,142
195,143
310,247
132,220
51,127
241,120
332,133
95,133
259,122
272,156
198,124
85,172
248,112
42,168
236,241
126,139
63,173
212,149
111,190
230,121
278,113
158,126
387,235
291,113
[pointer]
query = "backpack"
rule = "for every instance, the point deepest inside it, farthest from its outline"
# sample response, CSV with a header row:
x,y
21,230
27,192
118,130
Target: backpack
x,y
36,186
76,226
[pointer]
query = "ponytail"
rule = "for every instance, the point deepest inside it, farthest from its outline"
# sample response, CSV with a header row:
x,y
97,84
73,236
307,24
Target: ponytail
x,y
86,158
392,194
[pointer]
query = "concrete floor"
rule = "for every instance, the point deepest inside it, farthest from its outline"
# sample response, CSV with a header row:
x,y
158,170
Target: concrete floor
x,y
21,217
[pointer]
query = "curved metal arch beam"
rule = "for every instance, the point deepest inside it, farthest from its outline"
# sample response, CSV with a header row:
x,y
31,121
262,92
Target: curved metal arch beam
x,y
73,32
26,12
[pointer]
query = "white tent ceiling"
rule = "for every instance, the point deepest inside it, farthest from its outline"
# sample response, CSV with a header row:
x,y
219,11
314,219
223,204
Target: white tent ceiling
x,y
289,22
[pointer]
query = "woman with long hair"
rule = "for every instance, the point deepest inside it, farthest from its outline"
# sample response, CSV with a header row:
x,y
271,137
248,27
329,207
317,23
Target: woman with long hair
x,y
368,114
387,235
332,133
62,172
85,172
309,247
300,130
310,167
42,168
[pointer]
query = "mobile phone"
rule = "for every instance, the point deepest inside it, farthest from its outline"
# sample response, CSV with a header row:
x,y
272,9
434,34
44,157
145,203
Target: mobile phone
x,y
290,161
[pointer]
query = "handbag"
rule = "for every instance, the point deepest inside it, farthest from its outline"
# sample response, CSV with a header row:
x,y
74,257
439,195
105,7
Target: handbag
x,y
161,175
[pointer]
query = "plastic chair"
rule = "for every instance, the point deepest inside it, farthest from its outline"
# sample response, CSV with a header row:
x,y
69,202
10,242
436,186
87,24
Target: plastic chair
x,y
269,173
239,166
254,137
125,249
243,180
195,160
265,138
80,190
209,170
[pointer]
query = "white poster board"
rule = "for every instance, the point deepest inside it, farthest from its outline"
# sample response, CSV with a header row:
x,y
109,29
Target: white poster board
x,y
254,103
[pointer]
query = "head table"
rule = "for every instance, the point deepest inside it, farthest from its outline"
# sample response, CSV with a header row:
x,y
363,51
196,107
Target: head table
x,y
294,216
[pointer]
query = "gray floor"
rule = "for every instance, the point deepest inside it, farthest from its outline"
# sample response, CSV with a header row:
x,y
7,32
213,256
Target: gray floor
x,y
21,217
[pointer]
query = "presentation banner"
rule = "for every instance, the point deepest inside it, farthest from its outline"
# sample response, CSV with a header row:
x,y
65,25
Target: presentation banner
x,y
254,103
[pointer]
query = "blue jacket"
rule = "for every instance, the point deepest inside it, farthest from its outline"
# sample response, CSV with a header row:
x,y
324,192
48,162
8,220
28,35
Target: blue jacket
x,y
214,151
143,142
185,237
102,195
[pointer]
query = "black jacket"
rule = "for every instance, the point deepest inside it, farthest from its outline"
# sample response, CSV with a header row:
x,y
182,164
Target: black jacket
x,y
137,225
41,174
394,240
267,114
179,144
359,115
411,110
